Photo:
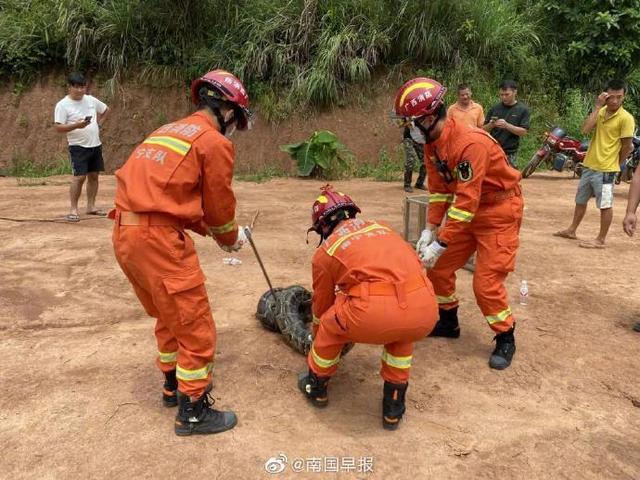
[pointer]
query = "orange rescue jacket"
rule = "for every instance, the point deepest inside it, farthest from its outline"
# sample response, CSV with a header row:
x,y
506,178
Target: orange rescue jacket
x,y
360,251
465,166
184,169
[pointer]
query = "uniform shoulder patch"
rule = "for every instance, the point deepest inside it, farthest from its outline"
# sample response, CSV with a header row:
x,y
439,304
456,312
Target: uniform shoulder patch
x,y
465,172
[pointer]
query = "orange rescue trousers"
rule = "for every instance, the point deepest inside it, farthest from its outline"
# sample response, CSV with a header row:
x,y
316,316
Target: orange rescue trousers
x,y
494,236
160,261
395,320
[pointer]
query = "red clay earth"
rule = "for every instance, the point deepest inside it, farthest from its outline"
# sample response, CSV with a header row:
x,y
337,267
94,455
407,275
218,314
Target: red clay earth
x,y
81,396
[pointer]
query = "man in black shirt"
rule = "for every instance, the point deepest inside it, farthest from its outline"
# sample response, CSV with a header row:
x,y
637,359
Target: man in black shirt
x,y
508,120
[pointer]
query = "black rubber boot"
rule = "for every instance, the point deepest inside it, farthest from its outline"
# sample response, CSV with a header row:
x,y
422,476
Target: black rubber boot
x,y
447,326
505,348
197,416
407,181
314,388
170,389
393,404
421,177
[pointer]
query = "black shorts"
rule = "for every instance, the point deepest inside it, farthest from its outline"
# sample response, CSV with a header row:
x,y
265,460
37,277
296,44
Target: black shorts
x,y
86,160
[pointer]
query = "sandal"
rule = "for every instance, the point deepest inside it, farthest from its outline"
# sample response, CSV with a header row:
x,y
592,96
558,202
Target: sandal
x,y
592,244
72,217
98,213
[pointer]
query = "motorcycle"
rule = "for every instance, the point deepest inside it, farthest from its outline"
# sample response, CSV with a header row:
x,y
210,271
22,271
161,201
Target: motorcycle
x,y
628,168
558,152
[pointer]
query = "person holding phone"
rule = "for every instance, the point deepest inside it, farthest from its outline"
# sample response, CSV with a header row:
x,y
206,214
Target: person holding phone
x,y
80,116
508,120
610,146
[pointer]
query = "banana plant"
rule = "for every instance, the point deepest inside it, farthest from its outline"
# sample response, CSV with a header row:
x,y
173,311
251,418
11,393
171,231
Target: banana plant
x,y
319,154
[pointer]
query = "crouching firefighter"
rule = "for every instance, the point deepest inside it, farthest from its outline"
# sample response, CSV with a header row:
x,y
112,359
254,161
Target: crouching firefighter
x,y
368,287
179,178
471,183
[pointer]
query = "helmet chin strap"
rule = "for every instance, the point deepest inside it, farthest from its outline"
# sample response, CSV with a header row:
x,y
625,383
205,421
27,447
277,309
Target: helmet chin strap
x,y
224,124
213,104
440,114
325,229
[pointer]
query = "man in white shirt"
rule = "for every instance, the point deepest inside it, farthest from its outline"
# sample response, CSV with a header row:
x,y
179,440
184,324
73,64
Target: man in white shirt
x,y
79,116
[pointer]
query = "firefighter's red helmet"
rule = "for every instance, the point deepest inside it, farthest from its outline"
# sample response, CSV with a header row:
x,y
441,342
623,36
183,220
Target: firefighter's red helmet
x,y
224,86
329,202
418,97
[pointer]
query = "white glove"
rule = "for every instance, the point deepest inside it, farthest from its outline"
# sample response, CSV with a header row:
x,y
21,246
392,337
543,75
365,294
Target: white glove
x,y
240,241
425,239
430,255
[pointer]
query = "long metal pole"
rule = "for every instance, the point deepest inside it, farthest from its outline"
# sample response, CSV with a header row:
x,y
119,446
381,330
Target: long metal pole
x,y
247,233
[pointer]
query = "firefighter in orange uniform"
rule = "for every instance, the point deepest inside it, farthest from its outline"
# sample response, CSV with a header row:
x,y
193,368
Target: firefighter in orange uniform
x,y
471,183
180,178
368,287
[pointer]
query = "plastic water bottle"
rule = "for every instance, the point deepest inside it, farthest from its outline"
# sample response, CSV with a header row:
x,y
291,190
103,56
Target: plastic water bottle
x,y
524,293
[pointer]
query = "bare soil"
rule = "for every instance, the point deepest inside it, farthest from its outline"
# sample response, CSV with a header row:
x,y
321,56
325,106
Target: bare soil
x,y
137,110
81,394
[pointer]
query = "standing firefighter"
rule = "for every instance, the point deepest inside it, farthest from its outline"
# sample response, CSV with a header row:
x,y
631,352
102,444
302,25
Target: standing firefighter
x,y
368,287
180,178
472,183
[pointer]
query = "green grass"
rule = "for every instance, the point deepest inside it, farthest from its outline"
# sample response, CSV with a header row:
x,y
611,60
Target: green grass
x,y
262,175
24,166
387,168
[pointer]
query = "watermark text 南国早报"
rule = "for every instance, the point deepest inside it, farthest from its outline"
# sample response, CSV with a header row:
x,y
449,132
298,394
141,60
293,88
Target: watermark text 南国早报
x,y
280,463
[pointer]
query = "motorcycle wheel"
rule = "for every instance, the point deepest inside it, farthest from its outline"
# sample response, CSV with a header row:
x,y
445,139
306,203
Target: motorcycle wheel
x,y
533,164
577,171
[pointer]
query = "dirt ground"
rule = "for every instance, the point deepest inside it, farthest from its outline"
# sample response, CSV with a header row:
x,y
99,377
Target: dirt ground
x,y
81,394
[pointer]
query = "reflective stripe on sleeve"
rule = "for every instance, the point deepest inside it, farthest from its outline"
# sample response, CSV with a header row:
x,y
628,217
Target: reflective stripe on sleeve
x,y
227,227
440,197
460,215
179,146
332,249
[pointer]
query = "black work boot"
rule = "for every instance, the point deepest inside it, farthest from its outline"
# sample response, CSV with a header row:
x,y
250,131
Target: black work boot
x,y
421,178
197,416
314,388
407,181
447,326
170,389
393,404
505,348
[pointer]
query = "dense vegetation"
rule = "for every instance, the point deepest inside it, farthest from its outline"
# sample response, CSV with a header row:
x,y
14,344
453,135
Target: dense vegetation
x,y
323,52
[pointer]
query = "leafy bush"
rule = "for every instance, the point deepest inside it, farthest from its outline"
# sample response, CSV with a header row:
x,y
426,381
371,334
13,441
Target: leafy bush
x,y
601,37
307,51
24,166
389,168
321,155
